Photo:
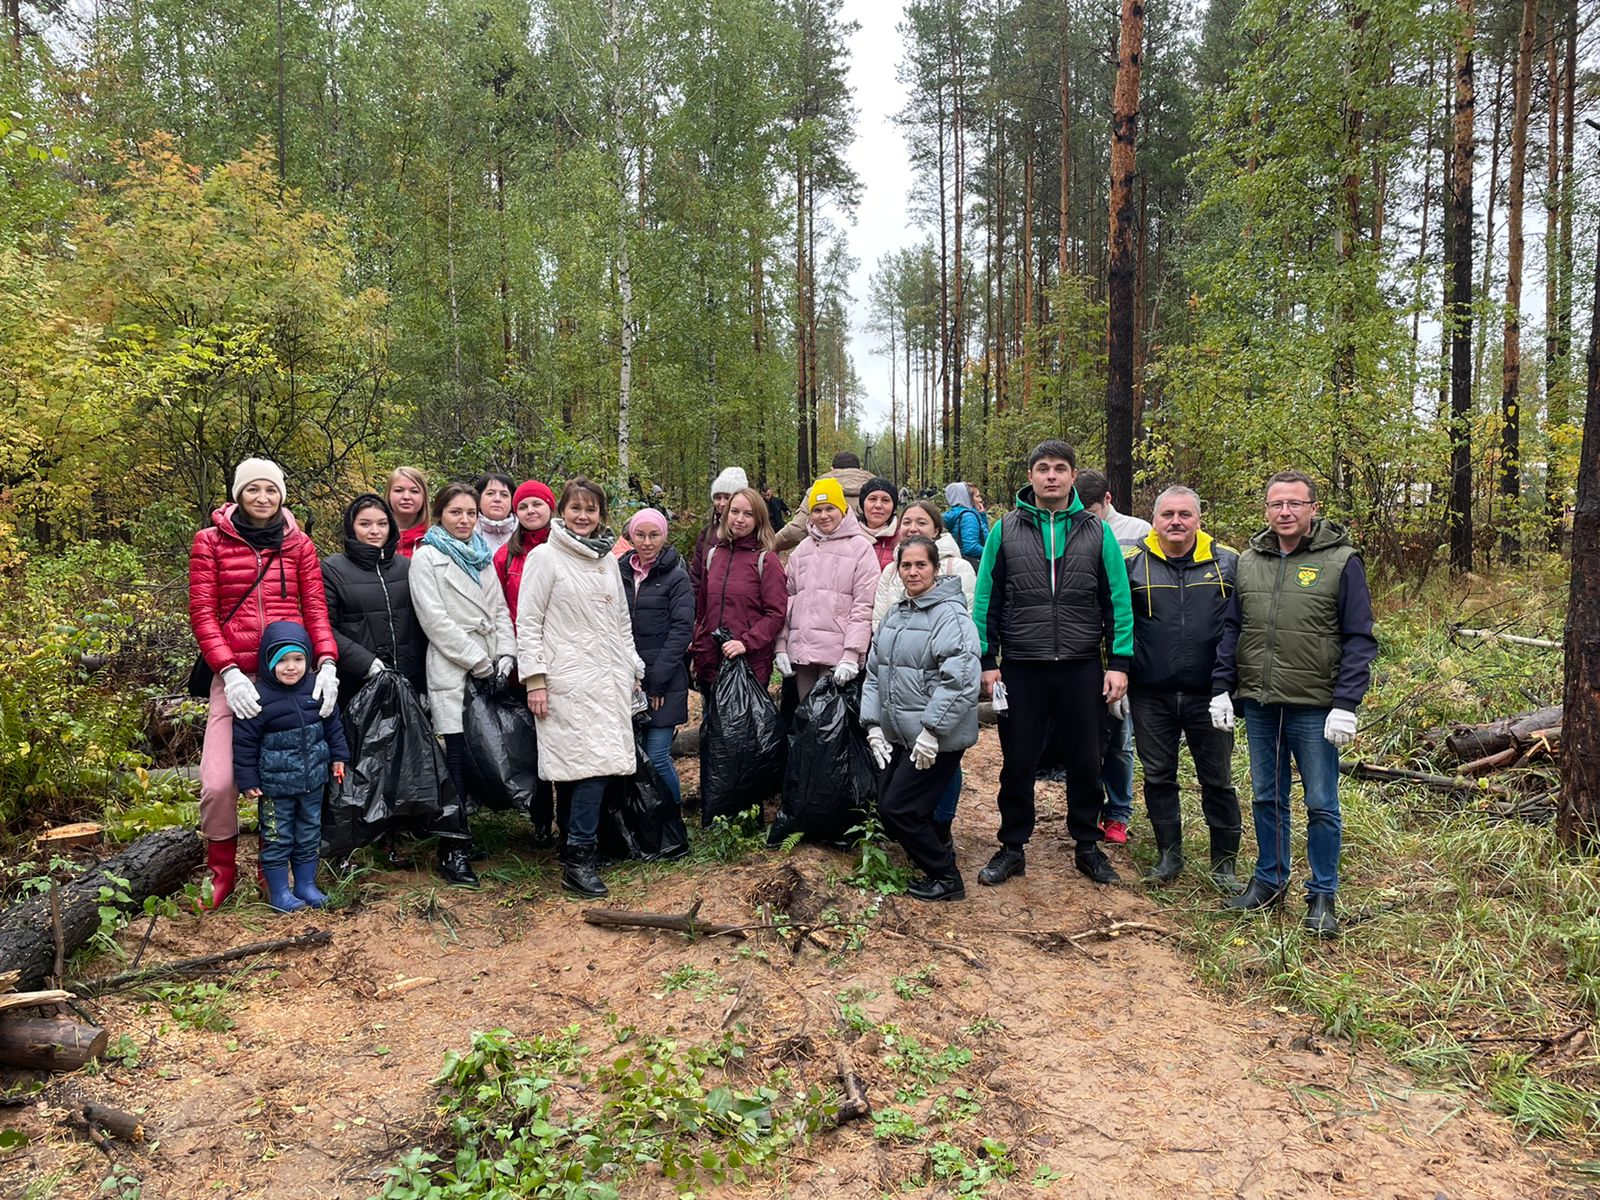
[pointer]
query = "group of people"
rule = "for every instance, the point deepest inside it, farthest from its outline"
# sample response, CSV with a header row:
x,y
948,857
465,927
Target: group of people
x,y
1091,632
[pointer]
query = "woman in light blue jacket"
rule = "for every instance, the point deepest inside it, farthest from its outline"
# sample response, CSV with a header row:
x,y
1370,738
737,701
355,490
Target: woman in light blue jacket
x,y
920,706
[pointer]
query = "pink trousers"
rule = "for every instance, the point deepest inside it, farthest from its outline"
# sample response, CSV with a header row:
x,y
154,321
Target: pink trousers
x,y
219,798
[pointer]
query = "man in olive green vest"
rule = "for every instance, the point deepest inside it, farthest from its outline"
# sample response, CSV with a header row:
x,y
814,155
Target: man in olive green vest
x,y
1296,653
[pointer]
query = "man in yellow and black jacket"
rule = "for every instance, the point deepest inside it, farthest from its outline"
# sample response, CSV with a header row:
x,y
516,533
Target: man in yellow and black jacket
x,y
1054,627
1181,581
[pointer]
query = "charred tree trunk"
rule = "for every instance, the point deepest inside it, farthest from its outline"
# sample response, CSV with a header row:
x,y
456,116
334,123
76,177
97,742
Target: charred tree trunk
x,y
1578,821
1556,418
1460,307
801,389
1120,267
1511,373
155,865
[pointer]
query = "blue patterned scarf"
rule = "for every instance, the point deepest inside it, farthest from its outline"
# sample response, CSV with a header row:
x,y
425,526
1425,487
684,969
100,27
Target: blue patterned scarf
x,y
471,556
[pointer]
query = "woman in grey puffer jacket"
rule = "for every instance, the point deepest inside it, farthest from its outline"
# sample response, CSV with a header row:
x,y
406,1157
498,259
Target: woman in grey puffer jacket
x,y
920,706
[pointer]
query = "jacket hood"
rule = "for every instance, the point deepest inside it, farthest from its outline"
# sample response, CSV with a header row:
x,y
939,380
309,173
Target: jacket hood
x,y
848,527
957,495
1030,508
947,547
946,589
1325,535
277,635
889,532
1205,546
359,550
222,518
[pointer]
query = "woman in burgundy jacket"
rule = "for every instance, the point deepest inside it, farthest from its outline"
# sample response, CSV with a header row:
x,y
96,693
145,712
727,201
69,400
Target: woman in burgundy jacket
x,y
741,589
250,567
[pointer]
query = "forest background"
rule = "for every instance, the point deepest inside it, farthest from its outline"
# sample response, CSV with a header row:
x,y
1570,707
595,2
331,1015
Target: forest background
x,y
553,236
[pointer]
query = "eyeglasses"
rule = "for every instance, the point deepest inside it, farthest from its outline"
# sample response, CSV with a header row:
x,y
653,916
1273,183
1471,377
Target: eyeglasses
x,y
1288,505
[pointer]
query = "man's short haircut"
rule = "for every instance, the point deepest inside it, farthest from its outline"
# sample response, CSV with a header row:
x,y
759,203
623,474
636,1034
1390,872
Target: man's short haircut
x,y
1092,485
1054,448
1292,477
1176,489
845,459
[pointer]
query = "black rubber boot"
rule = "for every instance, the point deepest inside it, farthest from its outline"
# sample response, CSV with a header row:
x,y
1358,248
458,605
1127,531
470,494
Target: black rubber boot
x,y
1092,861
948,888
1225,861
543,837
1256,896
579,874
1169,841
1007,861
1321,920
942,830
455,868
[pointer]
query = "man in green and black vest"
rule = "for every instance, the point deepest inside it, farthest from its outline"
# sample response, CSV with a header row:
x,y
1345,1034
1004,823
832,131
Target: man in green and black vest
x,y
1182,581
1052,596
1296,651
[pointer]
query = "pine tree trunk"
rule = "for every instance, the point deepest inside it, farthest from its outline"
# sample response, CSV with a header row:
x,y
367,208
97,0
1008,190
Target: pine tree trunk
x,y
1511,371
958,335
998,220
1486,282
802,467
1556,417
1027,273
1460,308
1120,266
944,280
1578,819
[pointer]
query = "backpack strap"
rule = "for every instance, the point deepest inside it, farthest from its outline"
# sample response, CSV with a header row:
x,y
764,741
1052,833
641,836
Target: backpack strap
x,y
761,562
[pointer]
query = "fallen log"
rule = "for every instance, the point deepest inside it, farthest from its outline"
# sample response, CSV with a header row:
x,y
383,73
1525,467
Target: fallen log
x,y
157,864
115,1121
203,962
855,1106
1473,743
32,999
46,1044
687,923
82,833
1443,783
1491,635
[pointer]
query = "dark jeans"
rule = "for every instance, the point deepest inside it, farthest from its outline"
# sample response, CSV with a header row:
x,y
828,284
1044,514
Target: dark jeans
x,y
946,811
291,828
1116,769
906,800
580,802
1163,721
658,748
1068,693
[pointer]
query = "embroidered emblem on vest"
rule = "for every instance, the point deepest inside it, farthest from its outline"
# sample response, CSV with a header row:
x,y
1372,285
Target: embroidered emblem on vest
x,y
1307,576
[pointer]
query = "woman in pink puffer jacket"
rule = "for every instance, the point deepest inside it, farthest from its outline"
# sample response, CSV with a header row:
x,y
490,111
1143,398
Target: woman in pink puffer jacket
x,y
832,580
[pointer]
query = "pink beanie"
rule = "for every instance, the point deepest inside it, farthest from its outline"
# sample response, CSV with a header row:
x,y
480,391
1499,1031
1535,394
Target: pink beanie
x,y
647,517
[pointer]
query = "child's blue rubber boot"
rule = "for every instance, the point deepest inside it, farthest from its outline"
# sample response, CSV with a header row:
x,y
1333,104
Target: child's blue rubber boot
x,y
279,894
305,884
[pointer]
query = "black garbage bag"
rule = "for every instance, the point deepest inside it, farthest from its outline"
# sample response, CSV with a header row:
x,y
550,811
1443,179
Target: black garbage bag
x,y
742,746
831,783
502,748
396,774
642,806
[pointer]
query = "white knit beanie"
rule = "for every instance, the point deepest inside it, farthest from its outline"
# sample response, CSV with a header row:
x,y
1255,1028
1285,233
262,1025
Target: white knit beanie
x,y
253,469
732,479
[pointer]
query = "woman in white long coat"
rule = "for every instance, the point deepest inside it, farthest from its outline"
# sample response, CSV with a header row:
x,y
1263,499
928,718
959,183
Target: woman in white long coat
x,y
461,608
576,657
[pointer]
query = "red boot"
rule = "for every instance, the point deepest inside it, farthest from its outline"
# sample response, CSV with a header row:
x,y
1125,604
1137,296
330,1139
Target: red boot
x,y
222,862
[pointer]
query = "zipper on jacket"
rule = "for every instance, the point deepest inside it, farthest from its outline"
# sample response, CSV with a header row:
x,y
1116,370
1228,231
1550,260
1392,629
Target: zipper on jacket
x,y
388,612
1272,626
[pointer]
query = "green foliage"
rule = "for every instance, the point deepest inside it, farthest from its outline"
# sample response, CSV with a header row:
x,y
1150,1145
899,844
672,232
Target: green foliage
x,y
124,1051
915,985
875,870
702,981
728,840
200,1006
656,1104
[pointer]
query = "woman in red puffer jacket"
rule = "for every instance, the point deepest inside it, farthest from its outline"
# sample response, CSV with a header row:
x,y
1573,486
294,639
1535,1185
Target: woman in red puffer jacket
x,y
251,567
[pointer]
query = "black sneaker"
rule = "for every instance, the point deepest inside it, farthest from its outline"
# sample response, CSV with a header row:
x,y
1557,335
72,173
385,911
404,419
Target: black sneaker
x,y
1321,920
1007,861
1092,861
543,837
456,868
948,888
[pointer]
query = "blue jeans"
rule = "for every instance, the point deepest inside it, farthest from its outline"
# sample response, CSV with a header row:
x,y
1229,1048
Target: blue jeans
x,y
1277,733
945,811
1116,770
583,822
291,828
658,749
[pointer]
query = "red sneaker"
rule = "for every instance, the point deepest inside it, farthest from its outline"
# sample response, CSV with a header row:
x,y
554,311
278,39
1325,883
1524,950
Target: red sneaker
x,y
1116,831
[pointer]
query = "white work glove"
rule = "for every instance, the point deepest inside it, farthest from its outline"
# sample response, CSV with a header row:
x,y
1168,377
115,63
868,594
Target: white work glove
x,y
924,750
882,752
326,689
503,668
1118,708
241,694
1222,712
1340,727
376,668
845,672
782,665
483,669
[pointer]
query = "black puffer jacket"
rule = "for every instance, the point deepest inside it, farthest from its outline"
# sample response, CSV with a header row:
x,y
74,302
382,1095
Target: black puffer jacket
x,y
369,606
1178,608
662,606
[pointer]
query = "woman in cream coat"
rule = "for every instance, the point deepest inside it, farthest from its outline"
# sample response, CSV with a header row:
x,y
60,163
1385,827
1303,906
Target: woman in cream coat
x,y
463,611
576,657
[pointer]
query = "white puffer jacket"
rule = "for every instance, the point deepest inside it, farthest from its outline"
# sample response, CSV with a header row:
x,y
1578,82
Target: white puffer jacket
x,y
891,591
573,629
467,624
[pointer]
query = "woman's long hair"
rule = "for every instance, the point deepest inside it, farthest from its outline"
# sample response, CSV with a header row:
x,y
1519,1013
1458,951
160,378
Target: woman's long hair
x,y
763,531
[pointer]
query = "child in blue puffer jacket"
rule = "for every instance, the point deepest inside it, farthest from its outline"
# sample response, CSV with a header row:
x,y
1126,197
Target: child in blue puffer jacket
x,y
282,760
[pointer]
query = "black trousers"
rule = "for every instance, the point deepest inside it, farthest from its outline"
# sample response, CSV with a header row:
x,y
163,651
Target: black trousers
x,y
455,765
1161,722
1036,693
906,800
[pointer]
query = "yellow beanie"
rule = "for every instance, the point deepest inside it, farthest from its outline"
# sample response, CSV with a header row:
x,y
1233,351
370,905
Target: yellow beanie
x,y
826,490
